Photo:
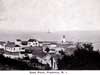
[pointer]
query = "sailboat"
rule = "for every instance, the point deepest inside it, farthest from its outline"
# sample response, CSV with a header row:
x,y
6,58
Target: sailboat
x,y
49,31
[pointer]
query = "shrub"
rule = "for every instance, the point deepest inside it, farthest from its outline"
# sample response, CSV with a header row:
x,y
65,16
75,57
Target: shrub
x,y
84,58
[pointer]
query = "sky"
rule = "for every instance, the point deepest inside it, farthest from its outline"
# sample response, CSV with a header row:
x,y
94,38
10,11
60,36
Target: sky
x,y
53,15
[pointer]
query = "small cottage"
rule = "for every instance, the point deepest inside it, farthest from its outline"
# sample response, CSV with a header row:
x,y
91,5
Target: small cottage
x,y
13,51
12,47
33,42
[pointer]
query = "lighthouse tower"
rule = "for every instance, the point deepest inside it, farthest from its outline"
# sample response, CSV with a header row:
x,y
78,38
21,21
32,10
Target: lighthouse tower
x,y
63,39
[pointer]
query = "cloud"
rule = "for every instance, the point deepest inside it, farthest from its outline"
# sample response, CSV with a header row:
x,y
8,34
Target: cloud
x,y
56,15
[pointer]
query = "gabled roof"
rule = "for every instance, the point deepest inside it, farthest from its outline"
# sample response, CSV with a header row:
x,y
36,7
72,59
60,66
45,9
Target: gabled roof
x,y
11,44
18,40
31,40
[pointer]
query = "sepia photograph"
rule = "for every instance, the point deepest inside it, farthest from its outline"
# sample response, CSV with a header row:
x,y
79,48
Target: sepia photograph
x,y
49,35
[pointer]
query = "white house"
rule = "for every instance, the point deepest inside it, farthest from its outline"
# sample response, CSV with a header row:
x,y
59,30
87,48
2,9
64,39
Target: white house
x,y
13,51
58,49
33,42
53,49
12,47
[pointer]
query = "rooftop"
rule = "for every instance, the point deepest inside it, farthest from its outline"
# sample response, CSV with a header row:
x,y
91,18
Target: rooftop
x,y
31,40
11,44
18,40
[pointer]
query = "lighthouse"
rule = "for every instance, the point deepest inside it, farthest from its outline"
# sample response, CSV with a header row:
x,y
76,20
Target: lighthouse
x,y
63,39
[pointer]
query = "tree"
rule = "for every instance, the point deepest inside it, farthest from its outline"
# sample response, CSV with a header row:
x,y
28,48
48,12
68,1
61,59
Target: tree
x,y
84,58
47,49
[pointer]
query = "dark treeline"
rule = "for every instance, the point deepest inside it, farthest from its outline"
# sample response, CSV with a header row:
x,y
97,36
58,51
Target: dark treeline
x,y
84,58
12,64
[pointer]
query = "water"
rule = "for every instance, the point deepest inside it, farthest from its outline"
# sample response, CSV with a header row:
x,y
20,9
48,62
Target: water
x,y
89,36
